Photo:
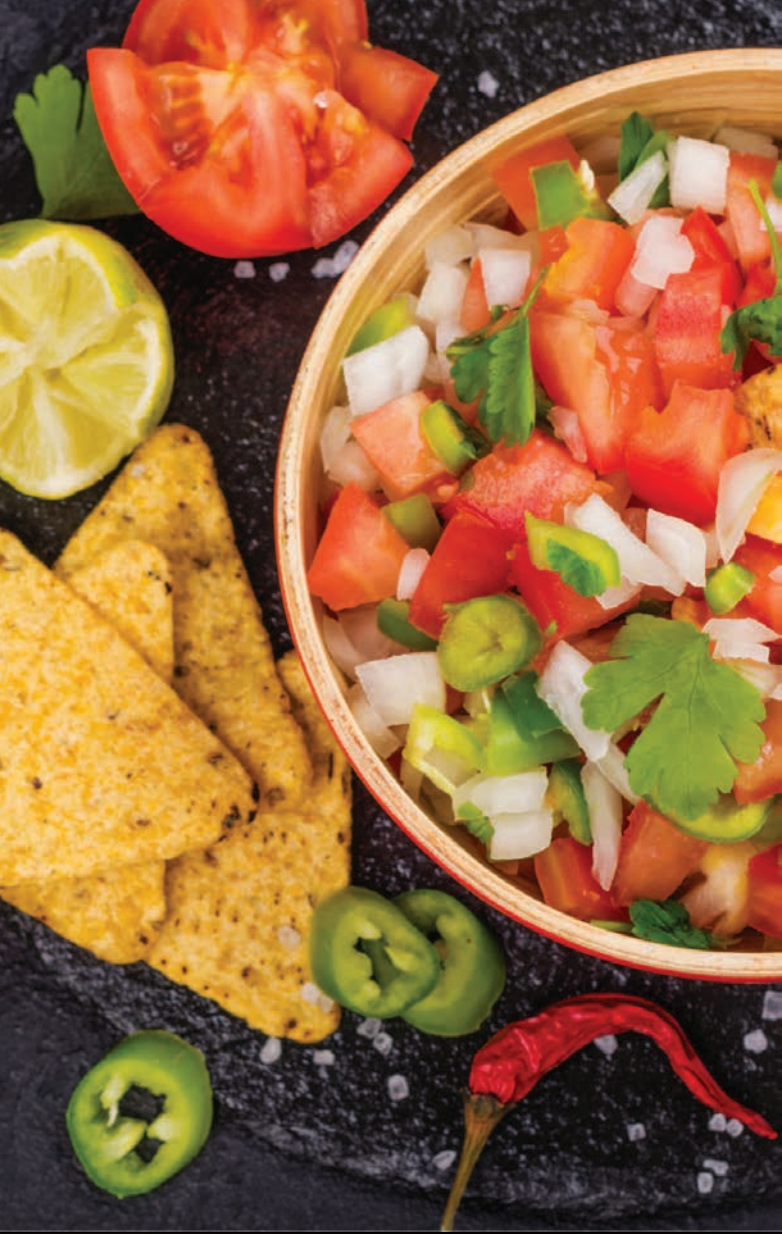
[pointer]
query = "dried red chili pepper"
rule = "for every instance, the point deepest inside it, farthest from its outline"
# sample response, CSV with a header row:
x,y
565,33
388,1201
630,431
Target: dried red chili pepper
x,y
510,1064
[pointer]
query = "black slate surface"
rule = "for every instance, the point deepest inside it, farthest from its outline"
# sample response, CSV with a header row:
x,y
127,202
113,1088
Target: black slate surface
x,y
313,1140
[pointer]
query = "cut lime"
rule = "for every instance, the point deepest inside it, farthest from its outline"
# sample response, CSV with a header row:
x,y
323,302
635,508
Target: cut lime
x,y
86,357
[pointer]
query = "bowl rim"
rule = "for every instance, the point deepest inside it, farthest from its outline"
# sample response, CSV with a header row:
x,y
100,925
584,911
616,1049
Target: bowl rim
x,y
304,624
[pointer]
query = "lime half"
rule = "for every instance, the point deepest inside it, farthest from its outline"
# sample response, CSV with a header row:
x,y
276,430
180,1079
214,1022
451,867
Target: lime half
x,y
86,358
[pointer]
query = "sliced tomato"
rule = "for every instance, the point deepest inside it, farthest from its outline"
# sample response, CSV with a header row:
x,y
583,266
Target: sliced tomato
x,y
655,857
566,881
674,457
687,329
763,778
597,255
238,107
559,610
764,601
741,212
470,559
388,88
711,250
515,181
359,555
764,892
392,439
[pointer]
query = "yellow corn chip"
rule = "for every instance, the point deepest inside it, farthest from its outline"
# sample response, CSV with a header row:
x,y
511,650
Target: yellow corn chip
x,y
101,763
239,915
168,495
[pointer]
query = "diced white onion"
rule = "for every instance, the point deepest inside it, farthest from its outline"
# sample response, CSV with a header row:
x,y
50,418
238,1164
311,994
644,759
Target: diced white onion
x,y
632,196
505,274
661,250
413,566
740,638
567,427
612,765
386,370
382,740
452,246
342,651
633,298
681,544
344,461
743,481
766,678
360,625
747,141
605,819
442,294
562,686
514,794
485,236
520,835
774,209
637,561
612,597
394,685
698,174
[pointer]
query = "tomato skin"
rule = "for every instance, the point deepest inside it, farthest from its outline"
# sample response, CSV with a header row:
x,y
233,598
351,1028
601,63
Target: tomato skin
x,y
392,439
687,331
593,264
469,560
674,457
711,250
388,88
763,778
514,180
564,874
655,857
764,892
359,555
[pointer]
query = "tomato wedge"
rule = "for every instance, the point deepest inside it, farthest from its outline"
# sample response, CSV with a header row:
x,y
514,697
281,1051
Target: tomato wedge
x,y
253,128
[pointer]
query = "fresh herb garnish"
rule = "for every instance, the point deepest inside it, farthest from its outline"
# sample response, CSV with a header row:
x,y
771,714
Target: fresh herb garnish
x,y
638,142
761,321
476,822
667,921
73,169
496,366
707,717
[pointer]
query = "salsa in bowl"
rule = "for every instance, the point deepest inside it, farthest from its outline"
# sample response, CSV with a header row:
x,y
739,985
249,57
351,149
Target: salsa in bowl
x,y
525,516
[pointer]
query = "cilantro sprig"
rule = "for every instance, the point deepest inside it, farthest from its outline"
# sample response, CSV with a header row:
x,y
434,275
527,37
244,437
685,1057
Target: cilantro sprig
x,y
760,321
667,921
495,365
706,719
639,140
73,169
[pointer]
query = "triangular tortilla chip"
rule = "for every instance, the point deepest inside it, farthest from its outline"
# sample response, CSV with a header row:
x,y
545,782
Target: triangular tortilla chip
x,y
239,915
117,914
101,763
168,495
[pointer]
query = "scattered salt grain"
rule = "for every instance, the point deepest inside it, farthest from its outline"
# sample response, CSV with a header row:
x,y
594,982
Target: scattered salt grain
x,y
244,270
383,1043
718,1122
332,267
607,1044
369,1028
398,1087
289,937
756,1042
310,993
271,1050
137,470
636,1132
324,1058
488,84
772,1005
734,1127
444,1160
279,270
704,1182
719,1168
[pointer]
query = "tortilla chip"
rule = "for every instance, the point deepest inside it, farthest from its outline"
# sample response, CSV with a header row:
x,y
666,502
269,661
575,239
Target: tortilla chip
x,y
101,763
168,495
239,915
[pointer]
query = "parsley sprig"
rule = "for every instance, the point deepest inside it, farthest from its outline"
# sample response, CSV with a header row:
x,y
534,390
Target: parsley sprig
x,y
495,365
760,321
667,921
73,169
706,719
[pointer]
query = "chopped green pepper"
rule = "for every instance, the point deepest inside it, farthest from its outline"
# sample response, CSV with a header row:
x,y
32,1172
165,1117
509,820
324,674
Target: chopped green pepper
x,y
512,747
393,620
452,439
367,956
472,964
726,822
441,747
726,585
568,799
562,196
387,320
415,520
485,639
142,1113
583,561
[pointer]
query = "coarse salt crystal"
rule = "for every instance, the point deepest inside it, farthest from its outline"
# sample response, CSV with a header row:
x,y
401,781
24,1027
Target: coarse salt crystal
x,y
271,1050
636,1132
772,1003
324,1058
369,1028
279,270
289,937
718,1122
720,1168
332,267
244,270
607,1044
310,993
398,1088
383,1043
756,1042
704,1182
444,1160
488,84
734,1127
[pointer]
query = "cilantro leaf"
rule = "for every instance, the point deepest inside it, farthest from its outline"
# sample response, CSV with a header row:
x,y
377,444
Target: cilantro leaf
x,y
760,321
667,921
706,719
635,133
476,822
73,169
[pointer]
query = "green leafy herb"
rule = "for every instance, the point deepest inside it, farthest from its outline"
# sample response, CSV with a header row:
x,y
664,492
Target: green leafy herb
x,y
73,169
638,142
761,321
476,822
496,366
776,181
667,921
707,717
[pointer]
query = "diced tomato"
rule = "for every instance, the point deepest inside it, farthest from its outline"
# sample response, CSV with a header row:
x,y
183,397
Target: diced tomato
x,y
674,457
687,329
540,477
606,373
765,599
359,555
593,264
711,250
764,892
655,857
515,182
475,312
741,212
564,874
388,88
392,439
553,603
763,778
470,559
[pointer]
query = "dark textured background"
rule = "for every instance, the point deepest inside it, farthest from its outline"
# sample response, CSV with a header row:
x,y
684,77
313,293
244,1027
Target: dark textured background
x,y
312,1141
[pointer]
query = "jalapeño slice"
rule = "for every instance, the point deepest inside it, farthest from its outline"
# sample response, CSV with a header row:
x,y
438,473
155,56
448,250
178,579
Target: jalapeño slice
x,y
485,640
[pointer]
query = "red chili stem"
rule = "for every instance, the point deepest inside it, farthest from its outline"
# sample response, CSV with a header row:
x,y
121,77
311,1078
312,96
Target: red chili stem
x,y
481,1115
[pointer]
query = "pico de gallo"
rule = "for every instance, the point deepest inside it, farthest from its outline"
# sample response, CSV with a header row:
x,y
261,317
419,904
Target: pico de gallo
x,y
551,554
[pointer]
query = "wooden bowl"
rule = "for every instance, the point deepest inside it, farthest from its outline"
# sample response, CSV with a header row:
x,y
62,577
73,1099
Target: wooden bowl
x,y
693,93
